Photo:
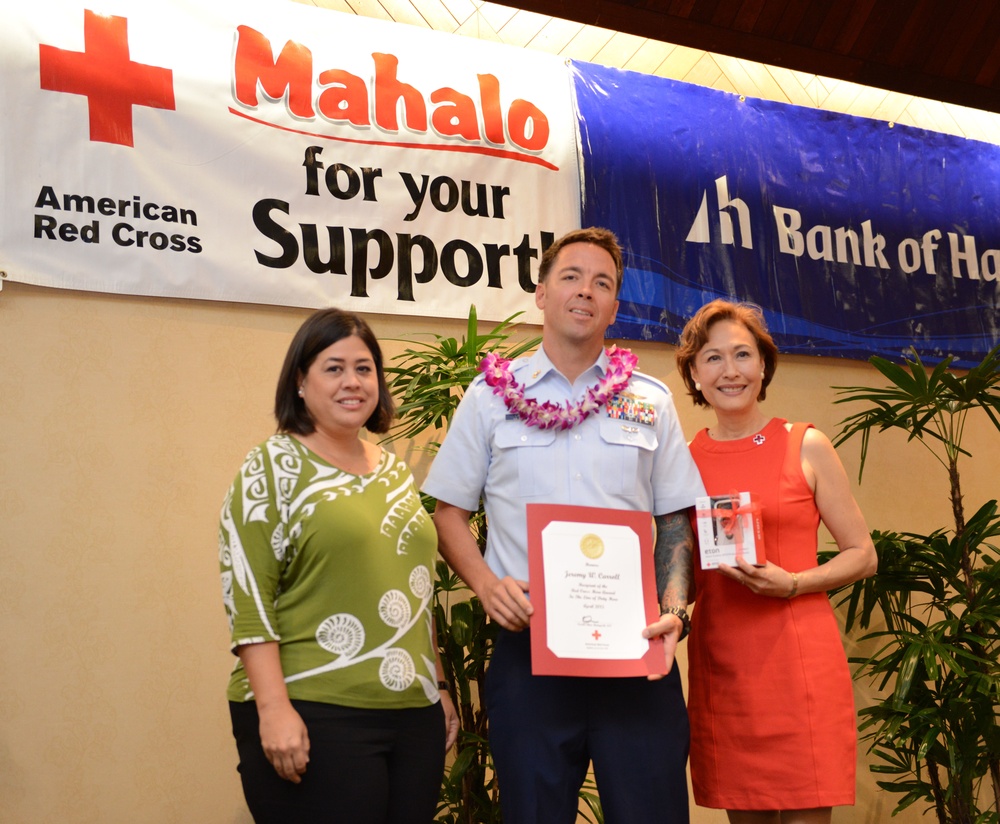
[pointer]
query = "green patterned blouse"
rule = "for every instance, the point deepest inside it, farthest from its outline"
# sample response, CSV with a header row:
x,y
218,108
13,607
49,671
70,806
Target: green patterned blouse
x,y
335,567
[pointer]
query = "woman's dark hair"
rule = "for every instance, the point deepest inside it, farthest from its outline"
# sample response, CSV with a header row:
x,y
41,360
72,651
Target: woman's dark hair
x,y
322,329
695,336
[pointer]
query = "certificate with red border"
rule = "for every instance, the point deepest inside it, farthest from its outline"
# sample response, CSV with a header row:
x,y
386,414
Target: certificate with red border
x,y
593,589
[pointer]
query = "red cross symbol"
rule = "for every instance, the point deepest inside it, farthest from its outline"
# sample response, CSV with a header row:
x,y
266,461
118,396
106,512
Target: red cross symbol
x,y
104,73
596,634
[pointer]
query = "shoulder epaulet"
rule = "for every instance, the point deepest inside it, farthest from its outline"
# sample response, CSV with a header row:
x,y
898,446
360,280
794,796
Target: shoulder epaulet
x,y
637,375
519,363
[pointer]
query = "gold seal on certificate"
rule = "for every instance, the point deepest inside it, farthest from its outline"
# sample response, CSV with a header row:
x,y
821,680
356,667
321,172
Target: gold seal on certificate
x,y
593,590
591,545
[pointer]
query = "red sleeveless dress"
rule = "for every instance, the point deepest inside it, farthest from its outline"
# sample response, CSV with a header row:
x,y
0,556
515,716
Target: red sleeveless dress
x,y
770,696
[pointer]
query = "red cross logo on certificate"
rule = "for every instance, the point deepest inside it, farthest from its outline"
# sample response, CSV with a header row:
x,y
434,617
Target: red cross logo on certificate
x,y
596,634
104,73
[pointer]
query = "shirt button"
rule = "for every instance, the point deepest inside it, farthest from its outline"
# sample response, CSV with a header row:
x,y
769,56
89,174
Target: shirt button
x,y
576,437
524,438
578,476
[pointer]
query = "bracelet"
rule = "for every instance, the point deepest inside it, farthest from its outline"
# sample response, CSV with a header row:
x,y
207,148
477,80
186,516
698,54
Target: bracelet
x,y
795,585
442,685
681,613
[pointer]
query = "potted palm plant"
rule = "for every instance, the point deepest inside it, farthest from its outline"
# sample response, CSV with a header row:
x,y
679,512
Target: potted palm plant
x,y
428,380
931,614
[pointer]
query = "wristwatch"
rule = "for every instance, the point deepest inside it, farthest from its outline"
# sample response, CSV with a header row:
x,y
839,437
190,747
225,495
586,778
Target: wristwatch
x,y
681,613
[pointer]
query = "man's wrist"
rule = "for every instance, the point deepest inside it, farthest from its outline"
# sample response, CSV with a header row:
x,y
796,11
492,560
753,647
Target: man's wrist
x,y
681,614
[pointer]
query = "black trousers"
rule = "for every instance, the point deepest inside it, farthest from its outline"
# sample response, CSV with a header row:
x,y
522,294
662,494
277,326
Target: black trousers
x,y
545,730
365,766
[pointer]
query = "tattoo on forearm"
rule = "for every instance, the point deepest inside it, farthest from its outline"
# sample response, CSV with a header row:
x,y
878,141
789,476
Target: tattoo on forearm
x,y
672,558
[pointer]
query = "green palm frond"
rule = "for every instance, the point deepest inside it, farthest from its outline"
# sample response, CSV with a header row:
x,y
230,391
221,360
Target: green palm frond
x,y
931,614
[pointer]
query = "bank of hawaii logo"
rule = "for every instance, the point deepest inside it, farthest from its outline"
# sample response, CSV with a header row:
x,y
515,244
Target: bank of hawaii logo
x,y
106,75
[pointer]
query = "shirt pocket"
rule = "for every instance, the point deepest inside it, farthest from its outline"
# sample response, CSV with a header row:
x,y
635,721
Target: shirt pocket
x,y
625,457
524,448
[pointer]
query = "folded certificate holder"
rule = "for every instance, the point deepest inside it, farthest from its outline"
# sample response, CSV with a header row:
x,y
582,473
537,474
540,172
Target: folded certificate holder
x,y
593,589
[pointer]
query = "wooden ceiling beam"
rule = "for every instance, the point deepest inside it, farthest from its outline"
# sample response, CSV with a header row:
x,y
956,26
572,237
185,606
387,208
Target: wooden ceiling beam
x,y
861,45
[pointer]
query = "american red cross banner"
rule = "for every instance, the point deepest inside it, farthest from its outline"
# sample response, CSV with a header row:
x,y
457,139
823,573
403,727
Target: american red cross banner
x,y
278,153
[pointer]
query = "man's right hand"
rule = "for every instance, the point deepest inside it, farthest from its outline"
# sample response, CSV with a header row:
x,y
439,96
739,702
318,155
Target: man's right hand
x,y
504,599
506,603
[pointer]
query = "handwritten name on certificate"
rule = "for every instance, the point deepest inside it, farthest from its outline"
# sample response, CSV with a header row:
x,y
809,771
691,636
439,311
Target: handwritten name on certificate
x,y
597,591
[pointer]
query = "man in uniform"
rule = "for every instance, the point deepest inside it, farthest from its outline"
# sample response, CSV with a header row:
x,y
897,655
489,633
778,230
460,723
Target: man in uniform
x,y
615,442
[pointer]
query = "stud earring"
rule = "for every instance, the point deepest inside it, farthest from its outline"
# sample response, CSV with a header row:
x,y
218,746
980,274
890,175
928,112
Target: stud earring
x,y
301,393
697,386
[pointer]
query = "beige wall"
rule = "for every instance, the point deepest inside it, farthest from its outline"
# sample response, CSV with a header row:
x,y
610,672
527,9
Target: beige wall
x,y
122,422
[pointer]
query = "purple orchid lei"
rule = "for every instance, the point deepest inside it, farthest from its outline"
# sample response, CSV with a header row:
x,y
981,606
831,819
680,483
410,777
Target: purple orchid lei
x,y
548,415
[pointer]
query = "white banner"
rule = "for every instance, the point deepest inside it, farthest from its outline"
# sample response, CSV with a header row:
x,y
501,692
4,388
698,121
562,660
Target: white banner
x,y
278,153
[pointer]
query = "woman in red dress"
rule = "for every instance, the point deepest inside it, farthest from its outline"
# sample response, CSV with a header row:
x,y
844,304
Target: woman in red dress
x,y
773,738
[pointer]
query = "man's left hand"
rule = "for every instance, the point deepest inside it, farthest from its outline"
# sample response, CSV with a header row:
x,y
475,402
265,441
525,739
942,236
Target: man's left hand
x,y
669,627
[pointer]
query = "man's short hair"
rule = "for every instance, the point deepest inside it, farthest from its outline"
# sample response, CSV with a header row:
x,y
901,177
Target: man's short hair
x,y
604,238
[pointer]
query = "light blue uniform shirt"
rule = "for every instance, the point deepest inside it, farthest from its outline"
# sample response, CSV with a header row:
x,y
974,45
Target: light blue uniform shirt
x,y
629,455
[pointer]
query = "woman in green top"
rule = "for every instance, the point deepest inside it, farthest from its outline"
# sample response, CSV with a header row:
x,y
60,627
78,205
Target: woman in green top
x,y
327,556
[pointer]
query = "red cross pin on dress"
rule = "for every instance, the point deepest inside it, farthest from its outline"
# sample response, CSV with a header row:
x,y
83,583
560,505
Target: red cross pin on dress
x,y
105,74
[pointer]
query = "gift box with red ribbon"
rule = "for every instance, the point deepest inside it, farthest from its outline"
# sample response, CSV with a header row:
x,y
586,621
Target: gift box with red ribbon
x,y
730,527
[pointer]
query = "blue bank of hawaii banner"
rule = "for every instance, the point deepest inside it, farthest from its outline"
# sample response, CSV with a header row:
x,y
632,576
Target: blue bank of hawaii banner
x,y
855,236
273,152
